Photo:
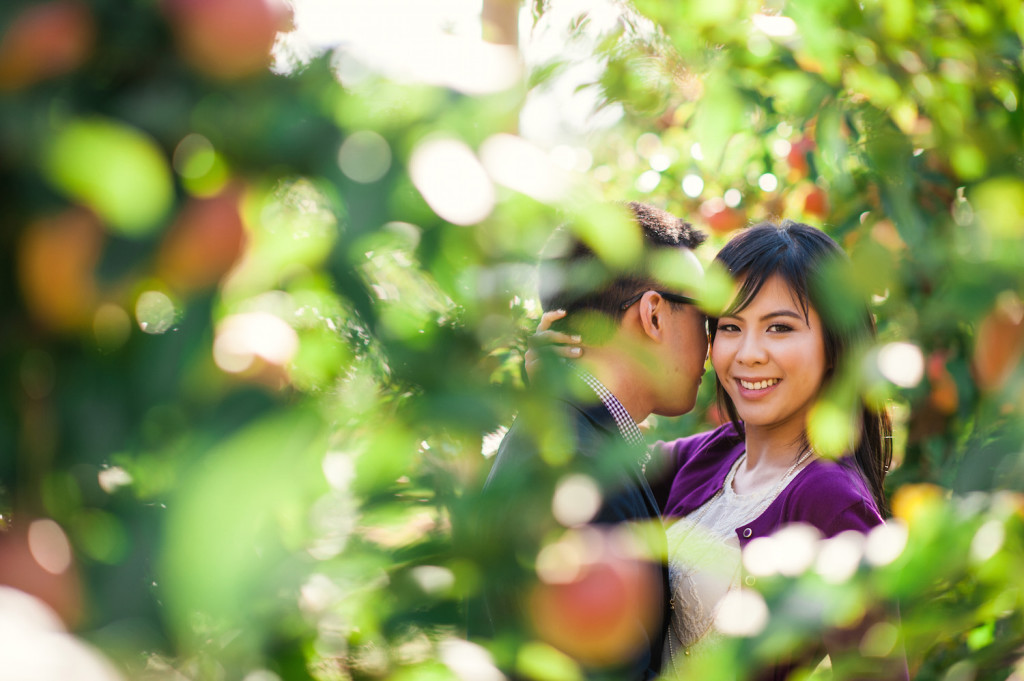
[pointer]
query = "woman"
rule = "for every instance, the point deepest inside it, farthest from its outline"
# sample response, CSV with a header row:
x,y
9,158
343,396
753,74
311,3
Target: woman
x,y
774,354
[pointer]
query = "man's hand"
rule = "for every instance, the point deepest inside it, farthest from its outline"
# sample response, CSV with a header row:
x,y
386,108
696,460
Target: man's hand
x,y
546,340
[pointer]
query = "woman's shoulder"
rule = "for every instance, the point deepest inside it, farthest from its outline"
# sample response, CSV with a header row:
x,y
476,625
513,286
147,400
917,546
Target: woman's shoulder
x,y
685,448
833,496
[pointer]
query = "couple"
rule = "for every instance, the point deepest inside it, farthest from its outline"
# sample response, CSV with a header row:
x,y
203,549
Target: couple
x,y
774,351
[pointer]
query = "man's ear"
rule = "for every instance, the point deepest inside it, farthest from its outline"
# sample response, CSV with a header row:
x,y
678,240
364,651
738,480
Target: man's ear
x,y
652,311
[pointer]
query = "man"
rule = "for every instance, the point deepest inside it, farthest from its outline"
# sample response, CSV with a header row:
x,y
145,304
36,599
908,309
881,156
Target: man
x,y
646,348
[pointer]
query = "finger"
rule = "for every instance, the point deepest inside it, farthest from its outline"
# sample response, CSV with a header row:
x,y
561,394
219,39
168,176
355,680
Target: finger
x,y
544,338
548,318
570,352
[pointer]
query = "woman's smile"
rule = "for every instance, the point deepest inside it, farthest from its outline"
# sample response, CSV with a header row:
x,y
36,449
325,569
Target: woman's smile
x,y
757,385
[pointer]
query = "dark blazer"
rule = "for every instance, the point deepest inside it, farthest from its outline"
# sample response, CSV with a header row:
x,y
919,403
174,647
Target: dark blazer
x,y
517,497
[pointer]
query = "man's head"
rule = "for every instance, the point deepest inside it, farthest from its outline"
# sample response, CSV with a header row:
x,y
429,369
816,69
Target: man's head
x,y
576,280
631,314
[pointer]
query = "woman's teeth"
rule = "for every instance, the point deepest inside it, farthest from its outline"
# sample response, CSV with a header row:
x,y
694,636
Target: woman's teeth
x,y
759,385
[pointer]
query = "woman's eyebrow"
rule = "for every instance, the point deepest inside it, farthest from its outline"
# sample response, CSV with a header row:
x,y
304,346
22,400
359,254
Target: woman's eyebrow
x,y
782,313
777,313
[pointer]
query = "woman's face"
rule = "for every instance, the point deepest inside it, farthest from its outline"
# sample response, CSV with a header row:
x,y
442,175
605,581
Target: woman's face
x,y
770,359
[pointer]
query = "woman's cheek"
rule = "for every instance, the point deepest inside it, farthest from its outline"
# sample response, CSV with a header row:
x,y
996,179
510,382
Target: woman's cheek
x,y
718,356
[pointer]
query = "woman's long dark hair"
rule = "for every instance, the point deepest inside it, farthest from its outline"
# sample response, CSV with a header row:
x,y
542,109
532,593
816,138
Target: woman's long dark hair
x,y
803,256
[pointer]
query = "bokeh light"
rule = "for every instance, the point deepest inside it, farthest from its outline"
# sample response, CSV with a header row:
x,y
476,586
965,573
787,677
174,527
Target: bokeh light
x,y
741,612
35,647
648,181
577,499
155,312
840,556
49,546
243,338
886,542
452,181
468,661
693,185
988,540
113,478
517,164
768,182
901,363
194,156
365,156
774,25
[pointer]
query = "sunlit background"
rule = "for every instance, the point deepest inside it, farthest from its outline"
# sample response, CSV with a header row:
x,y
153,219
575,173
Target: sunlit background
x,y
269,274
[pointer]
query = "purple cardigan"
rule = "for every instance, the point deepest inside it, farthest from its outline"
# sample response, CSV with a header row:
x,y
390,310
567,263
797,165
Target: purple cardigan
x,y
826,494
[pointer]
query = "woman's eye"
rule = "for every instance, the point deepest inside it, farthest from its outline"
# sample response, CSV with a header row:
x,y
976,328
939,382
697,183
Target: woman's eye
x,y
728,328
780,328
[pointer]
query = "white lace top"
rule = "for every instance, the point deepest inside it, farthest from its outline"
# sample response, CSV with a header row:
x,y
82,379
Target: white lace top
x,y
704,564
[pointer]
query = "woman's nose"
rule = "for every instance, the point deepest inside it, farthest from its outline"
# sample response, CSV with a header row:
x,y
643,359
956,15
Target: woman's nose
x,y
751,350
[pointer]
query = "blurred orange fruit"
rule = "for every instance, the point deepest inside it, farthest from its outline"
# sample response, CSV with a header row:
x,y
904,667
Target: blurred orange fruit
x,y
56,263
911,502
943,396
999,343
797,158
721,217
816,202
601,615
203,243
227,38
20,567
45,40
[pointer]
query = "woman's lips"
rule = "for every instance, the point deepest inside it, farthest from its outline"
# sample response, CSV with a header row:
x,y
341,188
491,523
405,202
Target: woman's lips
x,y
756,388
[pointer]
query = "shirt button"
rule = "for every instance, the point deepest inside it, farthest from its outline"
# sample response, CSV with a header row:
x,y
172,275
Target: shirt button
x,y
747,532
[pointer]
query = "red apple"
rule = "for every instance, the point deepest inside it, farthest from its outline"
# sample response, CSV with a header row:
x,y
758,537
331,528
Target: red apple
x,y
999,343
816,202
943,396
45,40
720,217
602,616
20,567
203,243
56,263
797,157
227,38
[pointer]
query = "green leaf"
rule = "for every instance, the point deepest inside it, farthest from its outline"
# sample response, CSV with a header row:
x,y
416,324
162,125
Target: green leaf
x,y
718,118
116,170
1000,206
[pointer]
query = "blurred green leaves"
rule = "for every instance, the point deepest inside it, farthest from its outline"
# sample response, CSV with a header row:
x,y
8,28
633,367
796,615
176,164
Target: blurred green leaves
x,y
114,169
235,529
335,309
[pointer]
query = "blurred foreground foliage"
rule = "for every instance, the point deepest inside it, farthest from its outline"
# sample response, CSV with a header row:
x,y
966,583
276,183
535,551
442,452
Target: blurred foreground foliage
x,y
258,327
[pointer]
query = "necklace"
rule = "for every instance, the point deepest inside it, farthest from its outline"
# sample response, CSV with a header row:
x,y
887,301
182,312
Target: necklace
x,y
762,505
806,454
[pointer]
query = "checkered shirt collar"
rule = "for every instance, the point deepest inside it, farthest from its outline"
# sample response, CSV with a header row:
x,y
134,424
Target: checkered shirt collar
x,y
627,426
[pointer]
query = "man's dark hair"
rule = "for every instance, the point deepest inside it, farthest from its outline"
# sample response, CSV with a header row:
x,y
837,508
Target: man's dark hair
x,y
576,279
